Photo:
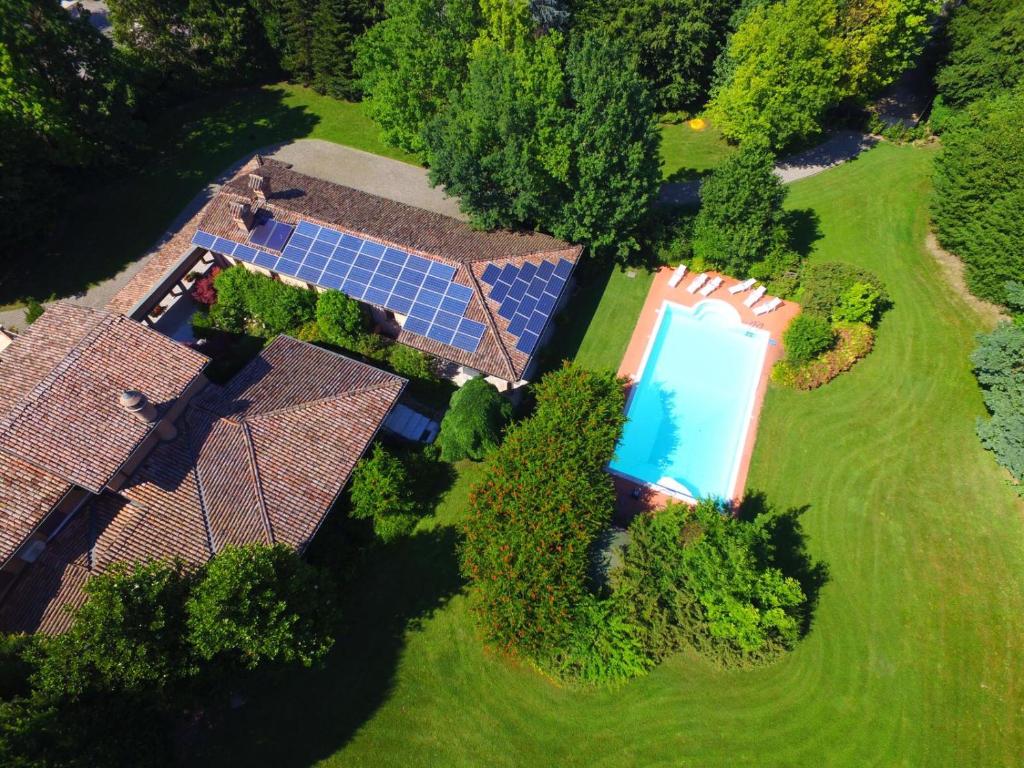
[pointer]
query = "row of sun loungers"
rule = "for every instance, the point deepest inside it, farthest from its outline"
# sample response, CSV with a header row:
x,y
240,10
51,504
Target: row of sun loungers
x,y
707,287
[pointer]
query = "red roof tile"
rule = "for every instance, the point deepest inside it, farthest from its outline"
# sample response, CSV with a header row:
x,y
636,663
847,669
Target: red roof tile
x,y
59,408
27,495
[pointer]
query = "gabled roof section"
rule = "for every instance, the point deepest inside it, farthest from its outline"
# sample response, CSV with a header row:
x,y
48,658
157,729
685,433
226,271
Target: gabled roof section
x,y
259,460
27,494
59,386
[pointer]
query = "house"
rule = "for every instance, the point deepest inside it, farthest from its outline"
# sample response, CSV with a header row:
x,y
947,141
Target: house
x,y
481,301
114,446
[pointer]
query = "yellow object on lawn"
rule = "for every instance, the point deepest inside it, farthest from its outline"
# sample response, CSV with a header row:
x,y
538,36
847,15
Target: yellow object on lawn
x,y
697,124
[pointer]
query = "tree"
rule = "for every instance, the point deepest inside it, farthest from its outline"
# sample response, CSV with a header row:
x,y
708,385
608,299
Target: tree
x,y
740,221
247,300
699,577
410,62
826,286
411,363
340,318
616,168
500,145
543,500
336,24
255,604
381,492
788,62
471,428
859,304
677,41
986,56
999,369
807,337
978,205
128,636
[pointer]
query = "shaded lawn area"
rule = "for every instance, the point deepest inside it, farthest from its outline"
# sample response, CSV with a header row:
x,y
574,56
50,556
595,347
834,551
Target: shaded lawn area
x,y
109,226
913,656
688,154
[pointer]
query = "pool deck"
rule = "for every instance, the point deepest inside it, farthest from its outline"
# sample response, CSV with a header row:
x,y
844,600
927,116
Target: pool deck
x,y
774,322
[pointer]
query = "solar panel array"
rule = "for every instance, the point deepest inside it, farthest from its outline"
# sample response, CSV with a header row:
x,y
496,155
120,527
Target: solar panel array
x,y
271,234
401,282
527,296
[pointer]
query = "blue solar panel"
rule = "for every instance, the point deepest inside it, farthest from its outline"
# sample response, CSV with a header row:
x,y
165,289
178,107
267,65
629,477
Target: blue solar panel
x,y
508,308
508,274
499,291
388,277
545,304
545,270
527,271
563,269
518,289
490,275
527,342
536,322
526,306
537,286
517,325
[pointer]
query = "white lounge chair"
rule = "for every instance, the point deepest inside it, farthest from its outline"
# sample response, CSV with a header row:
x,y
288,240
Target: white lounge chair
x,y
708,289
698,281
677,276
755,297
768,306
746,285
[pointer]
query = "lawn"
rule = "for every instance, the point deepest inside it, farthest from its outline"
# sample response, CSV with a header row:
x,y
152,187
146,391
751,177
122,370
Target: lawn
x,y
913,657
687,153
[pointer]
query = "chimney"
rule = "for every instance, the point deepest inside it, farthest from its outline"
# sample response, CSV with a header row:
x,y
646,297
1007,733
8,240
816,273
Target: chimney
x,y
138,405
241,213
260,186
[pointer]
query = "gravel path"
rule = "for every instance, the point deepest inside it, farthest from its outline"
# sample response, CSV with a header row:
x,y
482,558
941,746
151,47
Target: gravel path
x,y
408,184
838,148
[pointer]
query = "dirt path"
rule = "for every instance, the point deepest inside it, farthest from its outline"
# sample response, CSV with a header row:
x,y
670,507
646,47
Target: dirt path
x,y
953,271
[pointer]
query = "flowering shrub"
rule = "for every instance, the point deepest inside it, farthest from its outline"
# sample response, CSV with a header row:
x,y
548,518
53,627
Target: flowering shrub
x,y
853,341
203,291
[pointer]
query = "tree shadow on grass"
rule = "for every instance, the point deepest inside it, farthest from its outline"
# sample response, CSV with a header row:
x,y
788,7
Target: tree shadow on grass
x,y
108,222
295,716
786,549
804,228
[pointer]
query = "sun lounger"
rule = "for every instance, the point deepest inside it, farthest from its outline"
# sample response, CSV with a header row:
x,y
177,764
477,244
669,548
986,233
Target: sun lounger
x,y
698,281
677,276
708,289
768,306
746,285
755,297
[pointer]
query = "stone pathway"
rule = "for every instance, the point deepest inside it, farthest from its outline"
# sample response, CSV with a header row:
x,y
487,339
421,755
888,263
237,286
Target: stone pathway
x,y
840,147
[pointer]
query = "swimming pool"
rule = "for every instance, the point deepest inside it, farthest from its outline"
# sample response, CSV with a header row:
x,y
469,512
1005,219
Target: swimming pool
x,y
689,413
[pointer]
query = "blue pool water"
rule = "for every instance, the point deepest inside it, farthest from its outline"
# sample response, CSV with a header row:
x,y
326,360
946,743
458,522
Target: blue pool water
x,y
688,414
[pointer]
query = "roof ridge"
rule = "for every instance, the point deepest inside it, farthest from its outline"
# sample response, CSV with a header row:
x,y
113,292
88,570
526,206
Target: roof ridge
x,y
318,401
260,500
492,323
200,494
73,355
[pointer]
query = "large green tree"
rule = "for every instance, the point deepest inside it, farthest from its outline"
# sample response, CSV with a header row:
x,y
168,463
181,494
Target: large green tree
x,y
471,427
978,206
677,42
410,62
500,145
534,516
615,168
740,222
986,51
999,366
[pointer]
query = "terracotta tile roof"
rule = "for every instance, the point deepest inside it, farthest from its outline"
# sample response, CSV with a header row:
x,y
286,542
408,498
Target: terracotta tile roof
x,y
27,494
261,459
59,386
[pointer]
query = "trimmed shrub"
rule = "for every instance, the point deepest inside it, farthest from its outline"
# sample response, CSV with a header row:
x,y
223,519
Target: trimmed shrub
x,y
340,318
33,311
543,500
411,363
250,301
858,304
471,428
605,646
695,576
825,286
853,342
807,337
1000,372
203,291
381,492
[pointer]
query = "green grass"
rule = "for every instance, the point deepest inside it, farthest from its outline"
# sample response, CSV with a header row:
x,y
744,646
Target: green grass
x,y
913,658
115,221
688,154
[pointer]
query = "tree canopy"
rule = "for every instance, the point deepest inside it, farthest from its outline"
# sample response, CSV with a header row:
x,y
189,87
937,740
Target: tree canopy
x,y
999,366
381,492
471,427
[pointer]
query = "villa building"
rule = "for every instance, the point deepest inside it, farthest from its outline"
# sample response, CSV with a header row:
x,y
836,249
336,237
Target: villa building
x,y
115,447
480,301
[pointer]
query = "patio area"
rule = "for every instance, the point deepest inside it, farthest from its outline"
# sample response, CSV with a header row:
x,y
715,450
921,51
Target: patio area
x,y
631,497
